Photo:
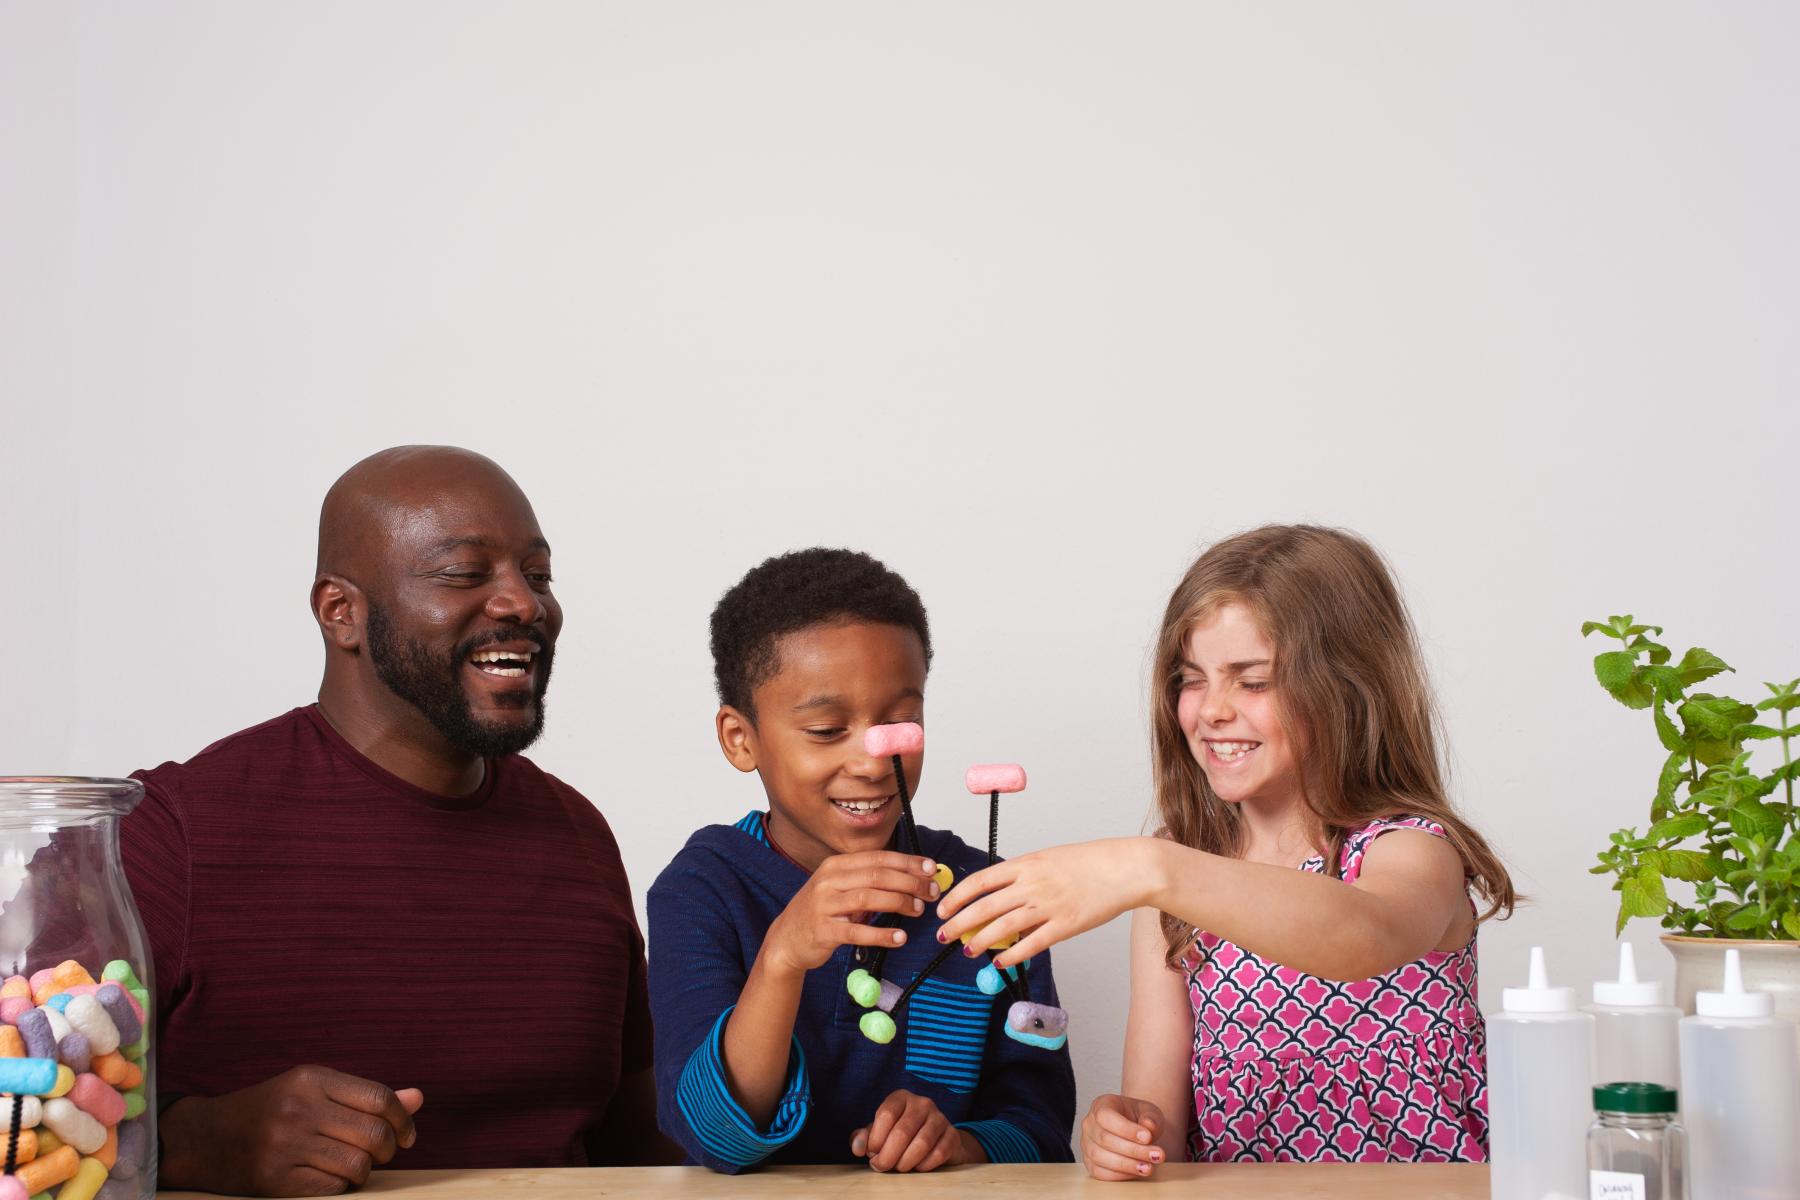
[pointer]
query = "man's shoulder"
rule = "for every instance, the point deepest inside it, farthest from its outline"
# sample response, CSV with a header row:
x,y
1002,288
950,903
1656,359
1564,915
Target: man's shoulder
x,y
255,749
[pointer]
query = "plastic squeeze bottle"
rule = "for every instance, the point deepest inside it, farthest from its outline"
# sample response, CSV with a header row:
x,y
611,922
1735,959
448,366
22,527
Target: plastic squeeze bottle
x,y
1635,1039
1740,1093
1540,1057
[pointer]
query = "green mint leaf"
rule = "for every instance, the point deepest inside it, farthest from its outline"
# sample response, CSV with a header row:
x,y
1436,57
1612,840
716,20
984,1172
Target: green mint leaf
x,y
1685,825
1758,820
1671,739
1790,921
1664,681
1749,917
1754,733
1713,717
1688,865
1635,900
1698,664
1588,627
1614,669
1782,704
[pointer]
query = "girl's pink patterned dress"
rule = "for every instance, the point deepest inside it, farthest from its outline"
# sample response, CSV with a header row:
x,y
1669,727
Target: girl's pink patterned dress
x,y
1292,1068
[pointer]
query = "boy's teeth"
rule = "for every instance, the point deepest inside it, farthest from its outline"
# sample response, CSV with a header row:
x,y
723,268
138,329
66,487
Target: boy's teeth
x,y
861,806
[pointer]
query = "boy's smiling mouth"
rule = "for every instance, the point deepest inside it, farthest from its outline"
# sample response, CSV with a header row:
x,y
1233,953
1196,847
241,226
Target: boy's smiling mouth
x,y
863,808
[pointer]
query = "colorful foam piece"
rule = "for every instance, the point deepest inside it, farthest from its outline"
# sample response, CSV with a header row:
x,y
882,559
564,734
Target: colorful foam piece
x,y
1042,1025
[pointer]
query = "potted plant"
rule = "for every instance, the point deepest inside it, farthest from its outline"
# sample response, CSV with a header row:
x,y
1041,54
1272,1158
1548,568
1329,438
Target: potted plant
x,y
1716,824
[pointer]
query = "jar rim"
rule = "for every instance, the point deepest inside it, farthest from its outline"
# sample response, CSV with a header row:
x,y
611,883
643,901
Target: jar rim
x,y
68,794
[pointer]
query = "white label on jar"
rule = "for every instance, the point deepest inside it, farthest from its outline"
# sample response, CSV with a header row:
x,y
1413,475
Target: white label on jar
x,y
1615,1185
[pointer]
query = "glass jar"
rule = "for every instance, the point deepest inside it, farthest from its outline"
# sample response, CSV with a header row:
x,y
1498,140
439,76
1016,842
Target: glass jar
x,y
1636,1148
77,1067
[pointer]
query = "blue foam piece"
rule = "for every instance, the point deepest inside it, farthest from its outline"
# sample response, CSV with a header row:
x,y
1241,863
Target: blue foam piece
x,y
60,1002
1038,1039
27,1076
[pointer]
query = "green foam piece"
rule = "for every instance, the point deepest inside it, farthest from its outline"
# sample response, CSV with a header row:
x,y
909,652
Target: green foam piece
x,y
134,1103
877,1026
142,996
863,987
119,971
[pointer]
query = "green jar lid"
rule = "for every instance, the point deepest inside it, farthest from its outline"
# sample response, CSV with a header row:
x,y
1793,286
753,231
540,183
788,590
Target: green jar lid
x,y
1634,1098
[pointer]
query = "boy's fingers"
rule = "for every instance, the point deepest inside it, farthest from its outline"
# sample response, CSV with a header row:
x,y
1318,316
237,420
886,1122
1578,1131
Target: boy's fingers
x,y
850,934
885,1116
919,1149
900,1137
944,1151
911,865
859,1142
861,900
885,879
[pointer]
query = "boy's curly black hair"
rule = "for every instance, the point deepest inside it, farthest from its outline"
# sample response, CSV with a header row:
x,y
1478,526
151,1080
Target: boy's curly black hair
x,y
790,592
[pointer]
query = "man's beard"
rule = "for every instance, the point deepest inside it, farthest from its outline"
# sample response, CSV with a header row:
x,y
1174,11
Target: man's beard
x,y
434,687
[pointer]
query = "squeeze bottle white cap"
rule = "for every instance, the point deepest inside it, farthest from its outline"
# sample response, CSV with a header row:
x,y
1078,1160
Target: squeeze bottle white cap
x,y
1626,991
1538,996
1734,1001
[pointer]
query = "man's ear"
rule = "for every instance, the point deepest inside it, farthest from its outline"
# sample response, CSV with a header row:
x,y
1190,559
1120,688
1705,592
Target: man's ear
x,y
737,737
338,607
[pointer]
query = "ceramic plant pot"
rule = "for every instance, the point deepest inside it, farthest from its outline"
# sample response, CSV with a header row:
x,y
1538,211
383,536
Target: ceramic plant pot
x,y
1772,967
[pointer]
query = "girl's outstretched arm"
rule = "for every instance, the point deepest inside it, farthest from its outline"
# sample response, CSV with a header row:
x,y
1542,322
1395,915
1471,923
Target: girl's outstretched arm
x,y
1128,1136
1410,898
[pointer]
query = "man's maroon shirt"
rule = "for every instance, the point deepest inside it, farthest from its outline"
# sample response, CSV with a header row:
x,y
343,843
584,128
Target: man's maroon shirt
x,y
306,906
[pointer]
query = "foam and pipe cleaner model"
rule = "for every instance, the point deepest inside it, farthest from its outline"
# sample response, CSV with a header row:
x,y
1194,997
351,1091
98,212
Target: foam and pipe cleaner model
x,y
1042,1025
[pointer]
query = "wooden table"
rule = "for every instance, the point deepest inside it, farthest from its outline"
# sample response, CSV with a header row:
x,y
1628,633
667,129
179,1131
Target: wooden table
x,y
1279,1181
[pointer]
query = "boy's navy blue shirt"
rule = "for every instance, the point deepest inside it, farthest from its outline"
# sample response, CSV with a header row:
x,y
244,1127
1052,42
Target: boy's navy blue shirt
x,y
709,910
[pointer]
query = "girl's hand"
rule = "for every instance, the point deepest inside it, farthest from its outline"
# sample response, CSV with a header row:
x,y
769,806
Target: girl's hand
x,y
909,1133
1050,895
1118,1138
824,914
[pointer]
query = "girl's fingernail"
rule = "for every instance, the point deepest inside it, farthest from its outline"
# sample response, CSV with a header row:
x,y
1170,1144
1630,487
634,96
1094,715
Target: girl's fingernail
x,y
941,936
1156,1156
1143,1168
970,952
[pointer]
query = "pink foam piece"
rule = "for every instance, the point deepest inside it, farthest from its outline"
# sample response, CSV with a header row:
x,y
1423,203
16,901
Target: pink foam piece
x,y
883,741
97,1098
40,978
82,989
12,1006
986,778
12,1189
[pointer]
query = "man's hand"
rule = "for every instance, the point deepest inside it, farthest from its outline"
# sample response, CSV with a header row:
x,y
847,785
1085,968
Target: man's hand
x,y
910,1134
310,1131
1118,1138
824,914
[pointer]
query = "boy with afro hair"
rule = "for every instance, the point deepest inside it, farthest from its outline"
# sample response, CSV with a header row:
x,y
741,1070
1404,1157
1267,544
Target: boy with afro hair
x,y
755,927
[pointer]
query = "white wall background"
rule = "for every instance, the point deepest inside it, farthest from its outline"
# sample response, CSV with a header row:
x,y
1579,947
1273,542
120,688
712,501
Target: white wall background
x,y
1032,300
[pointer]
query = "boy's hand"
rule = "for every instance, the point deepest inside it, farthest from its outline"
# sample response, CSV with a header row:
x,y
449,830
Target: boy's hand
x,y
822,915
910,1134
1118,1138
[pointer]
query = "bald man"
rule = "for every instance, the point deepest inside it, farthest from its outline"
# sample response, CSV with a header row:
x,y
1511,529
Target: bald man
x,y
380,935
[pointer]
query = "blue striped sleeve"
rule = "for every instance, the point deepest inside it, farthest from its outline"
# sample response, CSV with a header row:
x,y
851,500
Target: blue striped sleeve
x,y
1003,1141
724,1130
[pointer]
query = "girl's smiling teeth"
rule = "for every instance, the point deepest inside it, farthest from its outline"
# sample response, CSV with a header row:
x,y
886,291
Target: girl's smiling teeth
x,y
1230,751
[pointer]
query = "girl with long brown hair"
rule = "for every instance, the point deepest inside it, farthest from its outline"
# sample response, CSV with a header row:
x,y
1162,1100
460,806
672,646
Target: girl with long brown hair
x,y
1303,945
